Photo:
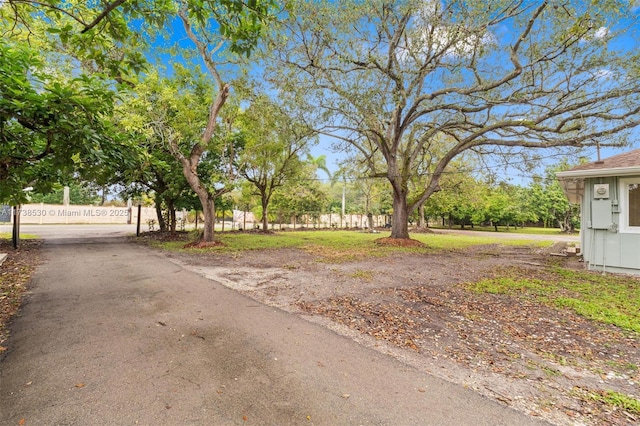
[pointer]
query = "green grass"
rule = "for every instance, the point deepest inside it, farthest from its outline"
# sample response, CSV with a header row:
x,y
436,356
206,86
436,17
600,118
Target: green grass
x,y
605,298
341,245
617,399
511,285
9,235
456,242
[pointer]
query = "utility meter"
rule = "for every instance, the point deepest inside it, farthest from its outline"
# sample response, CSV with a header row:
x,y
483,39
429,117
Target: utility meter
x,y
601,190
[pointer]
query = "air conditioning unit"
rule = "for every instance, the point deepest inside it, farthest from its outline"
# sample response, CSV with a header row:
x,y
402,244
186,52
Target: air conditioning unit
x,y
601,191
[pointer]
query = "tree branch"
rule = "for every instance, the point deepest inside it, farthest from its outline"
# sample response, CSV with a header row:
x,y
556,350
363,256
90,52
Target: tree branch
x,y
107,10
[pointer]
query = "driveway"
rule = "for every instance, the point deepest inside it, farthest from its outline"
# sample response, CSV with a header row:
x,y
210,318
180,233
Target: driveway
x,y
117,334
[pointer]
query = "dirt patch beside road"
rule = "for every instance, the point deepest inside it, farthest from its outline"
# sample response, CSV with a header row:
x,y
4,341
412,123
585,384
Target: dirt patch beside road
x,y
547,362
15,273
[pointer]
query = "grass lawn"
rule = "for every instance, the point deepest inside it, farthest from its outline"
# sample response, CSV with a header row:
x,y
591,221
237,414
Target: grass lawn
x,y
342,244
610,299
9,235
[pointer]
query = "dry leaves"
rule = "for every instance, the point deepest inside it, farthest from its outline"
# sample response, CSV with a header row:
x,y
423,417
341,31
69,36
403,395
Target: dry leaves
x,y
15,273
497,334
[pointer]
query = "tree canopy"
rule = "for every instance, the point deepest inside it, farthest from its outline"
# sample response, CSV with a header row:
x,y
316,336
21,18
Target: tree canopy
x,y
49,124
498,77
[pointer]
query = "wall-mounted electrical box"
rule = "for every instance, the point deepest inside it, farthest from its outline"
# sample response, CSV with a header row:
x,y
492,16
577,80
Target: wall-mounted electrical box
x,y
601,217
601,191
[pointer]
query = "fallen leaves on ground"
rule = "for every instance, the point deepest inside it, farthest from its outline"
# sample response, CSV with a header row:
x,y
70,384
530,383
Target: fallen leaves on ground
x,y
510,335
15,274
399,242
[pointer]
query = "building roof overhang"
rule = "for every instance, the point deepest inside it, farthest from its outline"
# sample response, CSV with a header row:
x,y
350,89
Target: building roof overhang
x,y
614,171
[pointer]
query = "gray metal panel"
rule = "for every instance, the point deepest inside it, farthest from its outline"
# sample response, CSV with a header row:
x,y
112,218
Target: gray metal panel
x,y
601,217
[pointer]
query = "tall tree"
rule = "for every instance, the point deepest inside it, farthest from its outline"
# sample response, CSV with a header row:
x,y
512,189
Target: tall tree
x,y
272,151
550,203
303,196
166,116
460,199
495,77
215,29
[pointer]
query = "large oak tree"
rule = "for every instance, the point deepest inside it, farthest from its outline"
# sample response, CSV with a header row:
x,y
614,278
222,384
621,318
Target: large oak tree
x,y
388,78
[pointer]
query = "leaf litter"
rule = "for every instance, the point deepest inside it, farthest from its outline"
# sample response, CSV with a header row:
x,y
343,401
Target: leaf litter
x,y
15,274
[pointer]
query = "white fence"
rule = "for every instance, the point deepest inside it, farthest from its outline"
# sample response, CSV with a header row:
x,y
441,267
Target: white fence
x,y
330,220
57,214
77,214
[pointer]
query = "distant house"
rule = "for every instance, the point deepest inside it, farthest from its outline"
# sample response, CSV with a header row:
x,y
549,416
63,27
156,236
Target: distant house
x,y
608,192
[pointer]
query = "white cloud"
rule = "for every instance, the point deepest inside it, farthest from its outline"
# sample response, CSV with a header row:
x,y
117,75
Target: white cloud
x,y
603,73
601,32
429,33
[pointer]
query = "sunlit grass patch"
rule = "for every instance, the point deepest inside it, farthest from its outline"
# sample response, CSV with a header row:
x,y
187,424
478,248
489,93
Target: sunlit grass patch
x,y
612,399
512,230
607,299
457,241
9,235
339,246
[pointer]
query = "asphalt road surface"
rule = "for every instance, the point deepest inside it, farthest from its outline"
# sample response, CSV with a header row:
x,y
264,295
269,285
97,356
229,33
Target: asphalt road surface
x,y
117,334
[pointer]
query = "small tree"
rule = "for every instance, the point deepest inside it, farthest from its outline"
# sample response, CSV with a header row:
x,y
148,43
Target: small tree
x,y
273,146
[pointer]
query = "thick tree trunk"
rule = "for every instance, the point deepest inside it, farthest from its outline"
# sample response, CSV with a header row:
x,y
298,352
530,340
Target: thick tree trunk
x,y
399,220
172,217
265,219
206,199
265,212
209,213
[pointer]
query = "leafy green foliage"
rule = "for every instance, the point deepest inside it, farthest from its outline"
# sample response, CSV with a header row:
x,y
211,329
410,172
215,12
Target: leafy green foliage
x,y
161,109
50,125
274,144
420,84
105,38
78,194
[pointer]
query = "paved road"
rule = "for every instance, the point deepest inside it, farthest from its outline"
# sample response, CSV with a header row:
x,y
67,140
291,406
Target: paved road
x,y
117,334
77,233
